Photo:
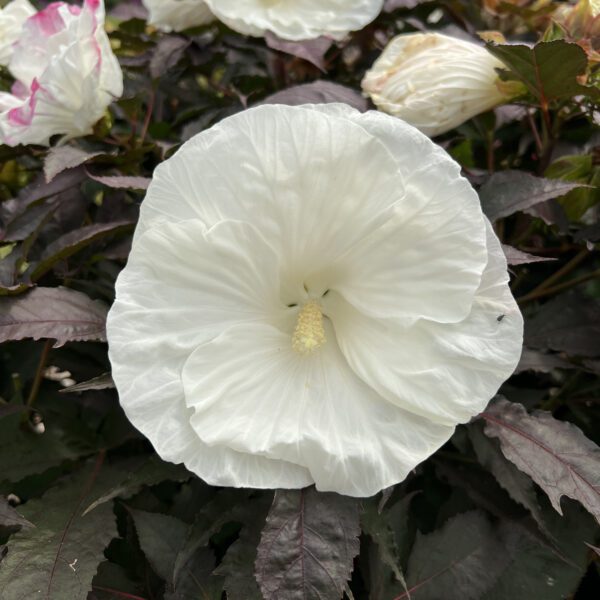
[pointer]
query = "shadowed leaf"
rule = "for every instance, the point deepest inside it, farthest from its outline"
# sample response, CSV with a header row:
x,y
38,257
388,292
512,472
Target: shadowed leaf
x,y
532,360
555,454
464,559
516,257
73,242
102,382
308,545
169,51
507,192
568,323
59,557
61,158
54,313
10,518
318,92
312,51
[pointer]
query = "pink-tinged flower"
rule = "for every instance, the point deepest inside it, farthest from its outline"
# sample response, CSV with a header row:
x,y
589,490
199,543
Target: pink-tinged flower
x,y
66,75
177,15
12,18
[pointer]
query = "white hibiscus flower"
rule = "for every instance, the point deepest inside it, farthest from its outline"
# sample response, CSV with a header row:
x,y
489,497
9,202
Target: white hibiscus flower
x,y
177,15
435,82
296,19
12,17
313,295
66,75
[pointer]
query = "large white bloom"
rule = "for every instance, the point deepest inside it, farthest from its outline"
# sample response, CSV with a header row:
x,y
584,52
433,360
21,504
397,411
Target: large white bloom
x,y
177,15
433,81
12,18
313,295
66,75
296,19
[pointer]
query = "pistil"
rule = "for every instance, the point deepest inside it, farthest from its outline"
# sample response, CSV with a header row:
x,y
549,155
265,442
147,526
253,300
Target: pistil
x,y
309,334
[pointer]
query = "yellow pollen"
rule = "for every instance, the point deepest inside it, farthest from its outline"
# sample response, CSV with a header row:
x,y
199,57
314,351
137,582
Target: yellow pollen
x,y
309,334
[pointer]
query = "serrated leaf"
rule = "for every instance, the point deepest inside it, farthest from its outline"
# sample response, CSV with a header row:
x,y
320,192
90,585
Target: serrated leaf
x,y
555,454
308,545
59,557
464,559
74,241
122,182
161,538
516,257
52,313
516,483
36,453
102,382
312,51
507,192
537,571
548,69
61,158
168,52
237,566
147,473
568,323
532,360
318,92
9,517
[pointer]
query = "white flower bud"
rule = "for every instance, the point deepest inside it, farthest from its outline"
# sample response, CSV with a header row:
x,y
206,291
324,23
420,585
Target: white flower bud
x,y
433,81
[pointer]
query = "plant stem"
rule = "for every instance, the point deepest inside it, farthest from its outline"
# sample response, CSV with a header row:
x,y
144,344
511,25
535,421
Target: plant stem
x,y
558,288
39,374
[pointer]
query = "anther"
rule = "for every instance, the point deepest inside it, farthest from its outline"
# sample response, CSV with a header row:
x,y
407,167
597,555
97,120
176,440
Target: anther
x,y
309,334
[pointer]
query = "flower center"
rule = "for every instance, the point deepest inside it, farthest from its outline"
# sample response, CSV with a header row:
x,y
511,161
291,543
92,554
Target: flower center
x,y
309,334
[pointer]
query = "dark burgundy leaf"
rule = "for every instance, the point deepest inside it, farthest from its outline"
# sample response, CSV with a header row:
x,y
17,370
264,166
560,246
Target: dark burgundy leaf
x,y
102,382
73,242
40,190
29,221
308,545
62,158
123,182
11,409
516,257
9,517
55,313
507,192
169,51
464,559
555,454
312,51
533,360
318,92
519,487
568,323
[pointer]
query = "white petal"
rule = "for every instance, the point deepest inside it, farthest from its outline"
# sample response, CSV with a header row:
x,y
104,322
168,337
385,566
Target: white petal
x,y
311,183
177,15
296,19
445,372
251,392
184,284
419,265
151,393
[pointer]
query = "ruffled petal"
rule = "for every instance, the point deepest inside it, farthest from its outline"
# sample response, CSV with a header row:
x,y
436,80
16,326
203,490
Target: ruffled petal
x,y
445,372
12,18
311,183
184,284
296,19
151,393
252,392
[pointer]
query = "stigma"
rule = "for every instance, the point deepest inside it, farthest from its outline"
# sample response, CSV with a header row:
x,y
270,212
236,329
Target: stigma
x,y
309,334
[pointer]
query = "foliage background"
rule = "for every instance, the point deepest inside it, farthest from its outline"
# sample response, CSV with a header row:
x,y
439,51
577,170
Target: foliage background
x,y
87,510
